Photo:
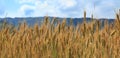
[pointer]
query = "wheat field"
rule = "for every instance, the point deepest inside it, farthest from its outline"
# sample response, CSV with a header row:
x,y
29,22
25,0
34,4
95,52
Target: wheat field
x,y
86,40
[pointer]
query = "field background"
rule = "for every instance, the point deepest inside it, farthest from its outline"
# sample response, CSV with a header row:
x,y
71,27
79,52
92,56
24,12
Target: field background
x,y
55,39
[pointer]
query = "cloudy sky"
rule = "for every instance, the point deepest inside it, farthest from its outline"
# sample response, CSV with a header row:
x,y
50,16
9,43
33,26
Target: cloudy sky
x,y
58,8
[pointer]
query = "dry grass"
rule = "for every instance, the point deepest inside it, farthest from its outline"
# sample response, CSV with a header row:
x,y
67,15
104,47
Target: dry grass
x,y
86,40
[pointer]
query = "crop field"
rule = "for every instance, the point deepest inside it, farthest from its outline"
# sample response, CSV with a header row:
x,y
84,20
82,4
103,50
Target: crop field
x,y
86,40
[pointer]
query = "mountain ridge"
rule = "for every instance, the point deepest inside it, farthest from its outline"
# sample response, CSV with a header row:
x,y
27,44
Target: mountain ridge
x,y
33,20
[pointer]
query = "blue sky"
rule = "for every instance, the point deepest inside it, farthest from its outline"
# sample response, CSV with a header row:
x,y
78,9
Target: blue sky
x,y
58,8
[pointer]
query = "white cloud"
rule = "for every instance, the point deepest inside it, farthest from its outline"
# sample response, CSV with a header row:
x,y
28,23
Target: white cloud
x,y
70,8
42,8
23,8
105,9
102,9
67,3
